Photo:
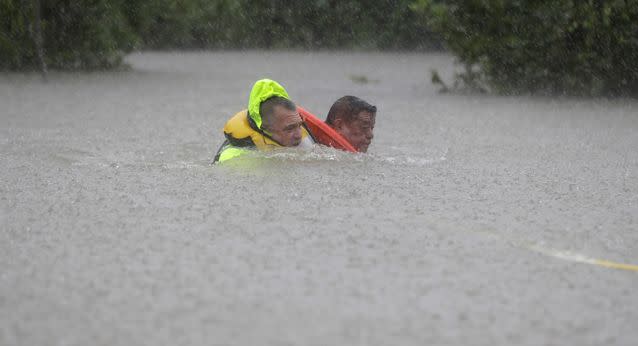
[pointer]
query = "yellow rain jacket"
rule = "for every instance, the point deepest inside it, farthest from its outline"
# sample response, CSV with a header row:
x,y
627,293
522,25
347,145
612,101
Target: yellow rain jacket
x,y
243,131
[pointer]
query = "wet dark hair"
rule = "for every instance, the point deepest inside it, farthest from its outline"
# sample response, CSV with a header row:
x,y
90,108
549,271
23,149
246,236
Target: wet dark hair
x,y
267,108
347,108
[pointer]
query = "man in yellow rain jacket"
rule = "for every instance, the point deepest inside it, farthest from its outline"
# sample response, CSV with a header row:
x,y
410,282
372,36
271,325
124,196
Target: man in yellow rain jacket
x,y
270,121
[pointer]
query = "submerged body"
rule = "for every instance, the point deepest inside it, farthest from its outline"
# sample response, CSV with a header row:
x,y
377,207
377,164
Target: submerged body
x,y
324,134
270,121
242,136
354,119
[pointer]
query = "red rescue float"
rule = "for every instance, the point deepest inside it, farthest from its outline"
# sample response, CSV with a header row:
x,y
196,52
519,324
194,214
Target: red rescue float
x,y
323,133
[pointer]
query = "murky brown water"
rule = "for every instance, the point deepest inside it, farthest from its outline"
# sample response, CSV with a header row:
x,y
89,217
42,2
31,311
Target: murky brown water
x,y
116,231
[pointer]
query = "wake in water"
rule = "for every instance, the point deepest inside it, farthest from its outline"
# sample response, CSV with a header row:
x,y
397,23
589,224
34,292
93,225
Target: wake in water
x,y
316,154
321,153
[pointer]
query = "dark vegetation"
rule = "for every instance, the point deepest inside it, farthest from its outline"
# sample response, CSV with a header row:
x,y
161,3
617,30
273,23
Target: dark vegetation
x,y
94,34
575,47
581,47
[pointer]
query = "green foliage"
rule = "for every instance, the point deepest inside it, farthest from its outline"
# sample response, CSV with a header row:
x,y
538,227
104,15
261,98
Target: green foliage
x,y
372,24
85,34
90,34
174,24
542,47
16,48
388,24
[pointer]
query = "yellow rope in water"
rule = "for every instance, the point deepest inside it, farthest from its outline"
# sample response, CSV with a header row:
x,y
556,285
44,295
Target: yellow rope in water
x,y
564,255
609,264
569,256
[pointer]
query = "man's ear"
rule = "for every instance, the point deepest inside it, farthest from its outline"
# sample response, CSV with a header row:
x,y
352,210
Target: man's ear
x,y
338,123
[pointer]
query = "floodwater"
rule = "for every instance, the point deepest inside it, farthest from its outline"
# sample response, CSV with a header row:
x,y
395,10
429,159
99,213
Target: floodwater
x,y
468,223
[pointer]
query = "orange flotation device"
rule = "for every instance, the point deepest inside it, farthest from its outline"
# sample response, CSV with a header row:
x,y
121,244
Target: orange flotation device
x,y
323,133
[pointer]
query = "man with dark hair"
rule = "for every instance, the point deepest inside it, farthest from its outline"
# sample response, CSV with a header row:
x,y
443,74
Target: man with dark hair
x,y
270,121
281,121
354,119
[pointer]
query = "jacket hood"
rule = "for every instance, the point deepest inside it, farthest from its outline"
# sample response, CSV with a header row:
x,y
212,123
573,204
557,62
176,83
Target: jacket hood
x,y
262,91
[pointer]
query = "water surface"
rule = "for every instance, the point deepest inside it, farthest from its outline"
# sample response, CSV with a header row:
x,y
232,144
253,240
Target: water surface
x,y
117,231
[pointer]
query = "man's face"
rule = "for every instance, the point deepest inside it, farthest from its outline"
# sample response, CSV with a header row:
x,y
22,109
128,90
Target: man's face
x,y
359,131
286,127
